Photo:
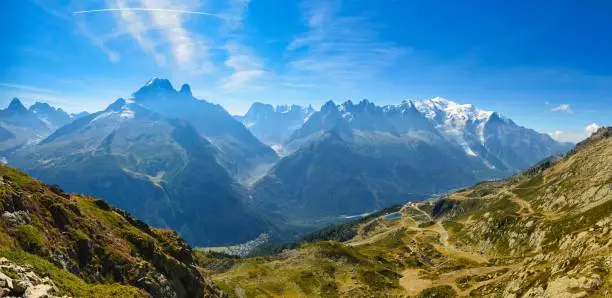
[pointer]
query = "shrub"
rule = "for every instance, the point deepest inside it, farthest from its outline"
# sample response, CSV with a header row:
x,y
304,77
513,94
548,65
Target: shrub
x,y
30,238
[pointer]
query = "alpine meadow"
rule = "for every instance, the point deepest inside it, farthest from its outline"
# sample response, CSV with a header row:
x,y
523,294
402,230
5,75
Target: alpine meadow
x,y
337,148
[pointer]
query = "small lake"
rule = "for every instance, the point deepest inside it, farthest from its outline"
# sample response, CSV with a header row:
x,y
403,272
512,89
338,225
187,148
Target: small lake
x,y
394,215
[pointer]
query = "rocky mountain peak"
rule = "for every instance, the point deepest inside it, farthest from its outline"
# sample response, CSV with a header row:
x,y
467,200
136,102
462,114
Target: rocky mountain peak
x,y
16,106
41,106
159,83
117,105
259,108
156,88
186,90
329,106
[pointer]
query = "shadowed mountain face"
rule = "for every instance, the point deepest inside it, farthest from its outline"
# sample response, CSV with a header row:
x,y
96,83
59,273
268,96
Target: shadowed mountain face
x,y
52,117
355,158
273,125
20,127
159,169
239,151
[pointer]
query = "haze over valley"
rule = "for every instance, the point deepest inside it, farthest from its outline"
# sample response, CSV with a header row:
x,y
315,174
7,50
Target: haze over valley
x,y
180,162
307,148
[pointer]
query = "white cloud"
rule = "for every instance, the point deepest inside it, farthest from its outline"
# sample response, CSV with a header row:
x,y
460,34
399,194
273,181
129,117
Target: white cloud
x,y
563,108
244,64
235,13
339,47
572,137
557,135
575,136
160,24
591,128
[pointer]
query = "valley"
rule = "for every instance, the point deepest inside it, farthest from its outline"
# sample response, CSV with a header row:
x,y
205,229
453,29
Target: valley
x,y
305,149
542,232
494,239
176,161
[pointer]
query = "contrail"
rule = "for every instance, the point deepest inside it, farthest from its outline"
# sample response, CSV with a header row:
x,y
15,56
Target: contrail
x,y
144,9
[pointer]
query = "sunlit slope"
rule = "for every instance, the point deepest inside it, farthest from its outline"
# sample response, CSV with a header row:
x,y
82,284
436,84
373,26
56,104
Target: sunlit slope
x,y
543,233
90,249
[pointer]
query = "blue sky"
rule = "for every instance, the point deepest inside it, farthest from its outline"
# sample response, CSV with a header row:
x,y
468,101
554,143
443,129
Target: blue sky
x,y
545,64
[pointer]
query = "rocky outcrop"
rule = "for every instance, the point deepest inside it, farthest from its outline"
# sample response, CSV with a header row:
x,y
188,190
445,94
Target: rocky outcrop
x,y
21,281
93,240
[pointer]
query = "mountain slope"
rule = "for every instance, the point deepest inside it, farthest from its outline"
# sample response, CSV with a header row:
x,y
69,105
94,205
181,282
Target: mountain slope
x,y
497,140
359,157
23,125
546,232
88,248
52,117
273,125
356,158
159,169
239,150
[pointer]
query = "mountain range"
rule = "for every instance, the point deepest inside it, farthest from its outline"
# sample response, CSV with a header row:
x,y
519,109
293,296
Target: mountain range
x,y
238,150
21,127
274,124
181,162
356,158
544,232
158,168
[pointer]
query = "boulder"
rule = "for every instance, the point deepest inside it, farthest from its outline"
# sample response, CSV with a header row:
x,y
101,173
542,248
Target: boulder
x,y
16,218
38,291
20,286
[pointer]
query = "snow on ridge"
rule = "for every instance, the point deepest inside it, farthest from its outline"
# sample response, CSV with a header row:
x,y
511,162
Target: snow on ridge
x,y
454,114
126,113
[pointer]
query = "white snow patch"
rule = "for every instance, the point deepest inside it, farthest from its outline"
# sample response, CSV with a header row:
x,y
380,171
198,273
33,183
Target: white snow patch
x,y
103,116
127,114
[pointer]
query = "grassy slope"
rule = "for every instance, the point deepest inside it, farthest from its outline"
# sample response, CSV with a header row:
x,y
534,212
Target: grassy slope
x,y
546,232
104,252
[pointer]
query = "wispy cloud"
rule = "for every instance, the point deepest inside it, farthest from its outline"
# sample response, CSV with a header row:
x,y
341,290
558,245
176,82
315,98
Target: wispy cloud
x,y
245,66
64,15
234,15
160,23
339,47
144,9
28,88
565,108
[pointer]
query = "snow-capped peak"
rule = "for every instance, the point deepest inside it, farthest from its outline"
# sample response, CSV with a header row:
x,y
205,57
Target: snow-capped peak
x,y
456,119
159,82
439,109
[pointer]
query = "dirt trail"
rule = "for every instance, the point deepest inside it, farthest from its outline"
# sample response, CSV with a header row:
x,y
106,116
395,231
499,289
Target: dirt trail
x,y
525,207
373,238
414,282
411,279
446,245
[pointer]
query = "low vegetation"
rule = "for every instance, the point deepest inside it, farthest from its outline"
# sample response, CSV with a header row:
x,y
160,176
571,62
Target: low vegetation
x,y
546,232
89,248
